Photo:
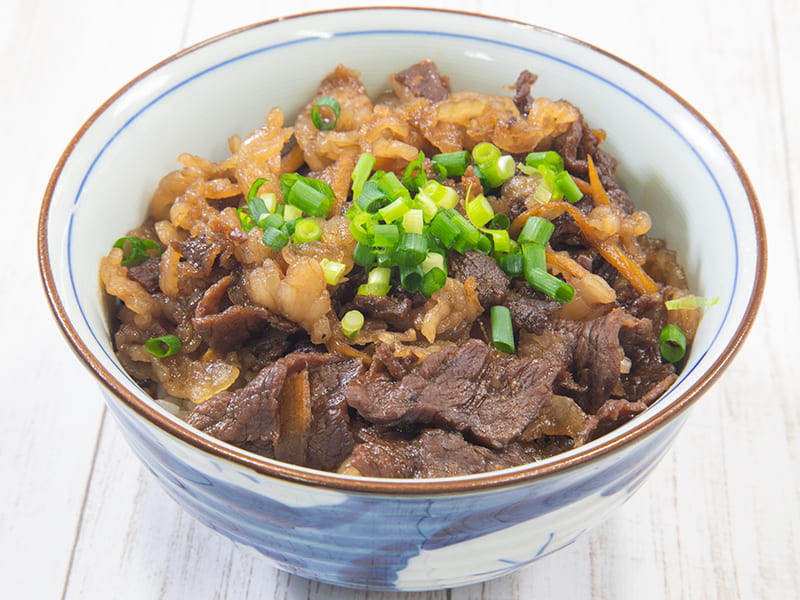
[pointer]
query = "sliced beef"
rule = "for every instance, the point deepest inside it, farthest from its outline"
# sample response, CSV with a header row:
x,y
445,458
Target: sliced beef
x,y
396,309
147,274
530,313
434,453
421,80
491,281
522,91
613,413
250,415
648,377
329,440
490,398
580,141
227,329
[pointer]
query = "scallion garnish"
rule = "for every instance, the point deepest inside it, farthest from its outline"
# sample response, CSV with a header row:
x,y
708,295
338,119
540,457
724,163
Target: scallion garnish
x,y
385,235
535,270
411,277
568,187
549,159
672,343
312,196
363,255
333,270
690,302
138,248
394,211
325,113
485,154
513,265
254,187
379,282
502,329
536,230
275,238
414,175
454,163
479,211
414,221
432,281
166,345
352,322
411,249
306,230
500,221
371,199
361,172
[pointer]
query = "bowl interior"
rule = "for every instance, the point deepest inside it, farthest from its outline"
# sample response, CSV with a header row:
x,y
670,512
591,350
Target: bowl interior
x,y
670,161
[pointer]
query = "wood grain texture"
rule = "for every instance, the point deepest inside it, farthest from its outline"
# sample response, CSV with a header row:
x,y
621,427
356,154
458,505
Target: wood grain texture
x,y
720,516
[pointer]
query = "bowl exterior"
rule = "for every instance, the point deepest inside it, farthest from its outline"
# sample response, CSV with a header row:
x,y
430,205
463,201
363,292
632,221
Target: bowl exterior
x,y
392,542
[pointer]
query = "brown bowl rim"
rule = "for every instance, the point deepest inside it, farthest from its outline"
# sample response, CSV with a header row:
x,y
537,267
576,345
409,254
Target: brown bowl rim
x,y
401,487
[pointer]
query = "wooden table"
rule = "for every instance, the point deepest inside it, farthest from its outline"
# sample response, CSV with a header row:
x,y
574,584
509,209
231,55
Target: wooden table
x,y
81,518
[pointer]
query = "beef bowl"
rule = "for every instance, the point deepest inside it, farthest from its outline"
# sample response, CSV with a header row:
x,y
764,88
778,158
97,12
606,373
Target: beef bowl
x,y
444,523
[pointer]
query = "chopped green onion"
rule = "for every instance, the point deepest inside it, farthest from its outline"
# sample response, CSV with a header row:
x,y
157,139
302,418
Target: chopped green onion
x,y
443,228
690,302
485,154
391,185
479,174
536,230
534,256
256,185
270,201
414,221
359,223
411,277
333,270
500,221
454,163
568,187
363,255
502,329
513,265
432,281
444,196
361,172
306,230
385,235
331,107
433,260
414,175
312,196
484,245
501,241
378,282
257,208
672,343
550,159
270,220
411,249
371,198
394,211
479,211
166,345
352,322
275,238
427,205
290,212
469,236
500,171
138,248
288,227
549,284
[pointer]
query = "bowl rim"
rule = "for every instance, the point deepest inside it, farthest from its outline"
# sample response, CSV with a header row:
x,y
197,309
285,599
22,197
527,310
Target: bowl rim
x,y
401,487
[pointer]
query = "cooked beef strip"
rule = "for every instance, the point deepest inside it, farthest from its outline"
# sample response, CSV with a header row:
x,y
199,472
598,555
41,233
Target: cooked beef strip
x,y
225,330
649,377
396,309
579,141
329,440
434,453
492,282
251,413
522,91
147,274
473,389
423,80
613,413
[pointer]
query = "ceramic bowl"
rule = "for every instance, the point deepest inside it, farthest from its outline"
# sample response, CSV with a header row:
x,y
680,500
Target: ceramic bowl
x,y
376,533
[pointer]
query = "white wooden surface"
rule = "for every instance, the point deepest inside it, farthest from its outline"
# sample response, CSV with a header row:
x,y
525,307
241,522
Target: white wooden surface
x,y
79,516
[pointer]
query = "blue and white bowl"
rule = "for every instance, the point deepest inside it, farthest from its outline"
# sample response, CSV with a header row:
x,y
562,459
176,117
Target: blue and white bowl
x,y
377,533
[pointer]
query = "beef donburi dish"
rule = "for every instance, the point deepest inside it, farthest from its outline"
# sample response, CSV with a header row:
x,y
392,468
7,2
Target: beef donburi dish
x,y
424,283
